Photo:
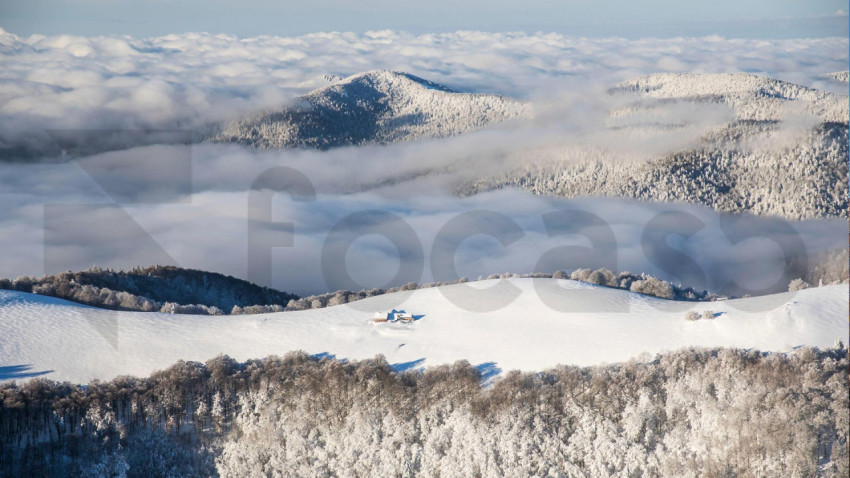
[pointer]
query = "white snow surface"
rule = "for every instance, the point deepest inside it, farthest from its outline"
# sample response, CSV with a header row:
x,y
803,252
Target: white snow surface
x,y
79,343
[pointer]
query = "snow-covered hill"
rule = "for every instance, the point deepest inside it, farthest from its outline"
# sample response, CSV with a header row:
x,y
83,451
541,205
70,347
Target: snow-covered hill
x,y
79,343
781,149
751,97
372,107
768,146
747,167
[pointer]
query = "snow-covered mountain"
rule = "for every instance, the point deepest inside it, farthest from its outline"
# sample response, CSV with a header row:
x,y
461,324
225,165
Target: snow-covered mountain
x,y
783,150
773,147
751,97
591,325
372,107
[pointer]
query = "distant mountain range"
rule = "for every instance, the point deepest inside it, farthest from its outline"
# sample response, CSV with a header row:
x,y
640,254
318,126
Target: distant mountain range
x,y
375,107
770,147
749,162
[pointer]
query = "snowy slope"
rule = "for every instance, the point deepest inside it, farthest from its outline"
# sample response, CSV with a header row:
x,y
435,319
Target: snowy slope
x,y
751,97
372,107
79,343
764,146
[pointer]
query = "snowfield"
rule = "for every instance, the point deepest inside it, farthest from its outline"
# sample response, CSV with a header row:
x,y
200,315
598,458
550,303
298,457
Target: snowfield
x,y
549,322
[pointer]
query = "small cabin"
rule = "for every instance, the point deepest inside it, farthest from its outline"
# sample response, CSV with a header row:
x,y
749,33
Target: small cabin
x,y
403,317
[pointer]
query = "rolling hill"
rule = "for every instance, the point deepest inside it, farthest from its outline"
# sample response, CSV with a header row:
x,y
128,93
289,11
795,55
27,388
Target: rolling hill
x,y
68,341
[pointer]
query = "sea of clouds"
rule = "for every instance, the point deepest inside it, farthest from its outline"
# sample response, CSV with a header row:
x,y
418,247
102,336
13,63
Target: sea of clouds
x,y
191,206
190,80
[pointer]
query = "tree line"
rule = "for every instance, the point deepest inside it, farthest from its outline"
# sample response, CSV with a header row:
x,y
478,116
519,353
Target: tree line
x,y
692,412
174,290
152,289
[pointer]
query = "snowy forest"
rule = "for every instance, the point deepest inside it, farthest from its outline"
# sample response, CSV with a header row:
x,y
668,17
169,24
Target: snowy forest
x,y
730,170
693,412
157,288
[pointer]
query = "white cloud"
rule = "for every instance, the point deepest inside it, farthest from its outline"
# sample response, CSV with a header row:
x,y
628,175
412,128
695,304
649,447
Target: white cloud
x,y
188,80
191,79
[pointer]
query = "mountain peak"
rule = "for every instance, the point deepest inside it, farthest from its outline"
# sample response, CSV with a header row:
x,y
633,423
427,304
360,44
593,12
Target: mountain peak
x,y
389,77
372,107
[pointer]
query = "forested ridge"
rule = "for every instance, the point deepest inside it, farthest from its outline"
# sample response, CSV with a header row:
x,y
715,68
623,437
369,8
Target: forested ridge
x,y
692,412
155,288
745,167
373,107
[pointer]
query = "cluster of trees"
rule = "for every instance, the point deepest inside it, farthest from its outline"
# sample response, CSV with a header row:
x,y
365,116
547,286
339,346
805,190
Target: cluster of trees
x,y
159,288
825,268
155,288
693,412
829,267
345,296
741,168
694,315
644,284
798,284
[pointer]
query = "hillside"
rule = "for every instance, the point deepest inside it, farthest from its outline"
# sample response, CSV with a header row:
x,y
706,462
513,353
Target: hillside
x,y
803,180
372,107
692,412
777,149
166,288
756,163
751,97
78,343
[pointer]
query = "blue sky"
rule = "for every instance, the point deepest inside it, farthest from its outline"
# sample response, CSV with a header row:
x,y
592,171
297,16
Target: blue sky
x,y
593,18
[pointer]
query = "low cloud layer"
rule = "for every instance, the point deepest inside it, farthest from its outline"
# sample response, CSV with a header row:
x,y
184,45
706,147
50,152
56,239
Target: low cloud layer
x,y
58,218
190,205
190,80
